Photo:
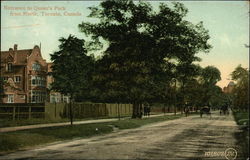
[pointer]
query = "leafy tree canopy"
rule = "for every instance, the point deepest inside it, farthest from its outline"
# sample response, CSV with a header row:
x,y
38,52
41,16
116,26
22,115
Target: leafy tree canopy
x,y
241,90
71,66
140,40
210,75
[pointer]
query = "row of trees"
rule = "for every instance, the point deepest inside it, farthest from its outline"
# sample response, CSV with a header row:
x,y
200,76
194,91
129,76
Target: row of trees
x,y
149,57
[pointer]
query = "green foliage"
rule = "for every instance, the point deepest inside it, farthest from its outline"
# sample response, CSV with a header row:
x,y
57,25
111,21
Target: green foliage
x,y
71,66
199,86
218,98
242,137
241,90
32,137
23,122
1,90
14,141
2,95
134,67
210,75
71,69
193,93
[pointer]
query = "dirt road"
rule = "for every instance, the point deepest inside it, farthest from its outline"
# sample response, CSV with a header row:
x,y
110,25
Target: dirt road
x,y
186,138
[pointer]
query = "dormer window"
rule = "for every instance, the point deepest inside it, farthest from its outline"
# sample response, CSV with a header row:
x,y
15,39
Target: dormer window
x,y
9,67
36,66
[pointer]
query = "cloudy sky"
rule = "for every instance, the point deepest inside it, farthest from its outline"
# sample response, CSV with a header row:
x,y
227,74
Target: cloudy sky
x,y
31,23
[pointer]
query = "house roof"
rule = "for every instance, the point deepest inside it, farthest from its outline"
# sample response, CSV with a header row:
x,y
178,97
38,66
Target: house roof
x,y
20,58
49,66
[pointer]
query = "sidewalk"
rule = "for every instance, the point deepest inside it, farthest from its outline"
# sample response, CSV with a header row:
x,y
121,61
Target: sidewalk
x,y
18,128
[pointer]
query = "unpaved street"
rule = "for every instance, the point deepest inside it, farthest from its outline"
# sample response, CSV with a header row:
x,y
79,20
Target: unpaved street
x,y
186,138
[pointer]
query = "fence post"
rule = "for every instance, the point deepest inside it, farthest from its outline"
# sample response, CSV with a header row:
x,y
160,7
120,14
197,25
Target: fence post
x,y
29,112
14,113
125,112
55,109
111,111
118,110
18,112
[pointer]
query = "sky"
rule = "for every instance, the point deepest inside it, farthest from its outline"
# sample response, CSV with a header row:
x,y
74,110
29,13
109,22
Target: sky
x,y
28,23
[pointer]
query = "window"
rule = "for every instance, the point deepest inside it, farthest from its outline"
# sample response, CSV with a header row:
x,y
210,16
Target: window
x,y
9,67
38,96
33,80
36,66
22,96
17,79
52,99
10,98
38,81
66,99
5,78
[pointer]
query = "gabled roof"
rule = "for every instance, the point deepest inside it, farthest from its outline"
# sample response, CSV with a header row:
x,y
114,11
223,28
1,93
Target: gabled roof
x,y
49,65
20,58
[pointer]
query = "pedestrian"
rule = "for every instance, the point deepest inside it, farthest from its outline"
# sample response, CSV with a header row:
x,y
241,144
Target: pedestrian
x,y
148,110
186,110
145,110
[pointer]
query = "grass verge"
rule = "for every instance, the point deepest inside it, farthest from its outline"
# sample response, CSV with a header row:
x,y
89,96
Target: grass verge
x,y
242,119
23,122
12,141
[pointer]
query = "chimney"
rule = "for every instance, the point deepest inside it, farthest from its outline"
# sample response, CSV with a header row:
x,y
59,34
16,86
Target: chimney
x,y
40,48
15,53
15,47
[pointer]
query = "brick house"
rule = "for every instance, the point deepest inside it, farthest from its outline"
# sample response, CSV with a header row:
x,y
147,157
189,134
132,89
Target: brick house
x,y
24,73
229,88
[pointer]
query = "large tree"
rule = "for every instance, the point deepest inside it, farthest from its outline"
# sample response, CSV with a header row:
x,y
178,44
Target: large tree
x,y
139,40
241,90
210,75
71,68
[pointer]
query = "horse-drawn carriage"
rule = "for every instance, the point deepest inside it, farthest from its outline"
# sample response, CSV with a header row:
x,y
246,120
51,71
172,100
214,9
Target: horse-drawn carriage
x,y
205,110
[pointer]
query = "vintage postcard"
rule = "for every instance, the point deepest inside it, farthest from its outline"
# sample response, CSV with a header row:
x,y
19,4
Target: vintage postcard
x,y
124,79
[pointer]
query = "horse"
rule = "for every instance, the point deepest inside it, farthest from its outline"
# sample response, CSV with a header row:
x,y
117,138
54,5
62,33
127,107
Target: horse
x,y
204,110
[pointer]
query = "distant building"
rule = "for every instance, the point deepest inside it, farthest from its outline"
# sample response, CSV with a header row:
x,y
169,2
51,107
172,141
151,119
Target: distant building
x,y
27,77
24,73
229,88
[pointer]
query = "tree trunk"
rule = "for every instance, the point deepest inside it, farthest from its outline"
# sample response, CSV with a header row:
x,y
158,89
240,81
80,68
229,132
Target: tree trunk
x,y
140,110
70,110
119,116
175,109
135,110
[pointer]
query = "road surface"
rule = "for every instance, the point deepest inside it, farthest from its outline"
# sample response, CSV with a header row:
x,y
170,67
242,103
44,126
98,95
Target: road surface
x,y
185,138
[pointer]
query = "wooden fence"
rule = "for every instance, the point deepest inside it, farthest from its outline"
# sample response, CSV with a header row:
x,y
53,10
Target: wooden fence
x,y
17,111
87,110
22,110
